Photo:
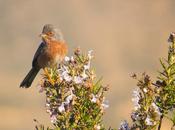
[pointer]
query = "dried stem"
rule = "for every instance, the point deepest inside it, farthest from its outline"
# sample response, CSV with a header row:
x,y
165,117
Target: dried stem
x,y
160,124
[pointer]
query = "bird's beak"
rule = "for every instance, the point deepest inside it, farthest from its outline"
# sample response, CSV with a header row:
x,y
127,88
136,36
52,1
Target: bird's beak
x,y
42,35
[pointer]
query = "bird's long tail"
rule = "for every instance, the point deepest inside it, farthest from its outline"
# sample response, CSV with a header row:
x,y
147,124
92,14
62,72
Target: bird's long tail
x,y
26,83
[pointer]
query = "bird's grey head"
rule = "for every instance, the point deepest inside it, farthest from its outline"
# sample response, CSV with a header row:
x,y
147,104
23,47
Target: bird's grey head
x,y
52,32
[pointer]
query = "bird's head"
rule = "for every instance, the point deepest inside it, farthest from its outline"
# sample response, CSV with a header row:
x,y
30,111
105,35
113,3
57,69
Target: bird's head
x,y
50,32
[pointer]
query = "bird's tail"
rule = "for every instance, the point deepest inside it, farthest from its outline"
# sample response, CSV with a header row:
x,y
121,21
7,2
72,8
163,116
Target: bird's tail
x,y
26,83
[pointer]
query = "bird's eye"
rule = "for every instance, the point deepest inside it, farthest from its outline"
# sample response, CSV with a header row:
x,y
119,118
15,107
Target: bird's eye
x,y
50,34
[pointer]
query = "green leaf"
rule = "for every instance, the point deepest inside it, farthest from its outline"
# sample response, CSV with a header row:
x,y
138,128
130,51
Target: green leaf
x,y
97,86
163,65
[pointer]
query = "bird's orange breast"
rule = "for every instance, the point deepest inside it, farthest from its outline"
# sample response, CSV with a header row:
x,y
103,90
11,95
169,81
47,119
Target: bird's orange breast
x,y
54,53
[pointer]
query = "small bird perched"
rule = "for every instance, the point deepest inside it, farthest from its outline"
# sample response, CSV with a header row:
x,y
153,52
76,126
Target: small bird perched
x,y
51,52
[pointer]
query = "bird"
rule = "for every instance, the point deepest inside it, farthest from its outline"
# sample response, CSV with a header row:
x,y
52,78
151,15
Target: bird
x,y
50,53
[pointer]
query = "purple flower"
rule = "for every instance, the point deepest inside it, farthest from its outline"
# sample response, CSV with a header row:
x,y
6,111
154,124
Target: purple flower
x,y
136,99
105,104
90,56
94,98
53,118
84,75
72,59
69,98
148,121
87,66
61,108
78,79
124,125
135,116
67,59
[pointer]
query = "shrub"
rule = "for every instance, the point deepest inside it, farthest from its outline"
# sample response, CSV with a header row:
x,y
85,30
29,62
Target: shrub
x,y
75,97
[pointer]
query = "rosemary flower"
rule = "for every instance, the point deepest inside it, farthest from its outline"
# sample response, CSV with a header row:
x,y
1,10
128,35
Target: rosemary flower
x,y
124,126
136,99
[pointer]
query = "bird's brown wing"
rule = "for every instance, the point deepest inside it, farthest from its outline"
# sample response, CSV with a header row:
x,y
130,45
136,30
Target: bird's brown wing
x,y
40,49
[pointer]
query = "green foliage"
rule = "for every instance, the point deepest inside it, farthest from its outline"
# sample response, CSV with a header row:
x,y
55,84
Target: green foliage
x,y
155,101
74,98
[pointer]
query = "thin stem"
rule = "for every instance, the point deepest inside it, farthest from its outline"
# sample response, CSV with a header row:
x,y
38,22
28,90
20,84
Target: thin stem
x,y
160,123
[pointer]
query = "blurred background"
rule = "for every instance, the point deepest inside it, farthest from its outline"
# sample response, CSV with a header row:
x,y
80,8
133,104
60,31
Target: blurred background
x,y
126,36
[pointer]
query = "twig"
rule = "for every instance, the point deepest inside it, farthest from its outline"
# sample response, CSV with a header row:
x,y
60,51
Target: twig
x,y
160,124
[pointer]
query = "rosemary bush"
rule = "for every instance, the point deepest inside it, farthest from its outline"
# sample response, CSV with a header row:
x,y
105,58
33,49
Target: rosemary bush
x,y
75,98
154,100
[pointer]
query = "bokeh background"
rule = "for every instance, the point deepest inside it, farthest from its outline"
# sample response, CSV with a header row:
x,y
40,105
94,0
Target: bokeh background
x,y
126,36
